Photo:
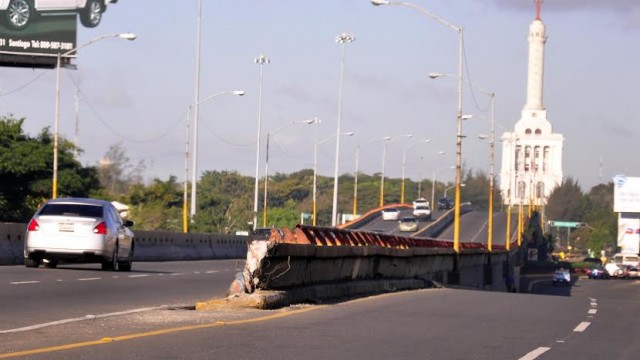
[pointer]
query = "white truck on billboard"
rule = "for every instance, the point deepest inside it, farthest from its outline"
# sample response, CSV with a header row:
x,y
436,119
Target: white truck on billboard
x,y
18,14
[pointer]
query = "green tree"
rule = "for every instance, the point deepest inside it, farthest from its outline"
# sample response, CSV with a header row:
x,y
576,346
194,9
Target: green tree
x,y
26,170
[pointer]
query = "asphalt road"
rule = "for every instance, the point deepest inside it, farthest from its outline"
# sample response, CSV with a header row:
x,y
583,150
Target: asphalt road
x,y
591,320
34,296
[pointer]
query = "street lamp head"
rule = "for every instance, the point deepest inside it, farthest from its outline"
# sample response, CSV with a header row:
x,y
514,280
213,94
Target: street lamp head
x,y
345,38
386,138
314,120
379,2
483,136
435,75
466,117
262,59
349,133
441,152
238,92
127,36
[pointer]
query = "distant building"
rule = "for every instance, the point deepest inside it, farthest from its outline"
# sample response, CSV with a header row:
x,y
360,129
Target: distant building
x,y
532,153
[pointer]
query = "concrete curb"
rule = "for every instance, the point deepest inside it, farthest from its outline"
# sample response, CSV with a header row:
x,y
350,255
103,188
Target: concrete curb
x,y
263,299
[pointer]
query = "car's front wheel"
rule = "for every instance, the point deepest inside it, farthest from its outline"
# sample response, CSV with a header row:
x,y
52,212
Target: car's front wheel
x,y
19,14
91,15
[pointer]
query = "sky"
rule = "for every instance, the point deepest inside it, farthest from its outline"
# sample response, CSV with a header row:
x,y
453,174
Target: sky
x,y
137,94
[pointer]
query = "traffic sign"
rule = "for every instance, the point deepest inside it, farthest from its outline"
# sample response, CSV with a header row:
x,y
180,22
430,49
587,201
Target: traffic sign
x,y
571,224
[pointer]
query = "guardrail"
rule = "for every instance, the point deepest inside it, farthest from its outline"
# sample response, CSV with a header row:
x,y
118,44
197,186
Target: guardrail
x,y
149,245
308,258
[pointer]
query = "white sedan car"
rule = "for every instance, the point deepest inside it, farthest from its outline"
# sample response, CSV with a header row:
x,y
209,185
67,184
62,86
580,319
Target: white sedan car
x,y
18,14
391,214
79,230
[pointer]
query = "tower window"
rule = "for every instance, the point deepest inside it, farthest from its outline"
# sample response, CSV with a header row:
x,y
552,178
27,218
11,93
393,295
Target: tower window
x,y
528,131
538,132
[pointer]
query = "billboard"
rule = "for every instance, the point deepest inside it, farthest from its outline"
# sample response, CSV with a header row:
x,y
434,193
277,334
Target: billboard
x,y
626,194
629,233
34,32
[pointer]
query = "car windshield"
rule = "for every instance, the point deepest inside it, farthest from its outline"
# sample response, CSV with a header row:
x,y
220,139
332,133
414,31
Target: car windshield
x,y
80,210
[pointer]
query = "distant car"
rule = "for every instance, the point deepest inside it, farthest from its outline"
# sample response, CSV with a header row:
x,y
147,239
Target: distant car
x,y
390,214
408,224
561,277
598,272
422,208
18,14
445,204
633,273
79,230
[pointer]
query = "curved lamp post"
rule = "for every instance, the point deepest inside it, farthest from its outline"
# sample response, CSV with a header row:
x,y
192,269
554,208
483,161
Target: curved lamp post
x,y
266,164
404,165
260,60
194,166
384,155
355,177
126,36
459,31
315,170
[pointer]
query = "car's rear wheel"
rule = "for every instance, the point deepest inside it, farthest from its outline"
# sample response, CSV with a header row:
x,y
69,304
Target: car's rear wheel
x,y
31,263
19,14
111,264
91,15
126,265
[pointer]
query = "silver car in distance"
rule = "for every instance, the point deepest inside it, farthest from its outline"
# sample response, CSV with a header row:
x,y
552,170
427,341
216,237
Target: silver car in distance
x,y
79,230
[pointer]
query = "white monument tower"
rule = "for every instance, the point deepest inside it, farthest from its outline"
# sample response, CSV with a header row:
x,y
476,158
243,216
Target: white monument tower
x,y
532,153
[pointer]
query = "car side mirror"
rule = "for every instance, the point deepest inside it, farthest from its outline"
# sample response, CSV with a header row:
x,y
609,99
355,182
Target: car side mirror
x,y
128,223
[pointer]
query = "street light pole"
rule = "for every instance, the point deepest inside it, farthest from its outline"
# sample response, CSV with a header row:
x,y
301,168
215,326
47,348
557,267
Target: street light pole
x,y
459,31
342,39
404,165
194,166
266,164
126,36
384,155
315,171
260,60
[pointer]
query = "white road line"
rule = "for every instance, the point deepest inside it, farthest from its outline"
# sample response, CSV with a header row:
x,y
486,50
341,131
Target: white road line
x,y
535,353
137,276
87,317
593,311
212,271
89,279
593,304
176,274
582,327
24,282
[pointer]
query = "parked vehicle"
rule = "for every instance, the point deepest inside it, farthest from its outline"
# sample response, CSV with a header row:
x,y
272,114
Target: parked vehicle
x,y
561,277
18,14
79,230
598,272
408,224
390,214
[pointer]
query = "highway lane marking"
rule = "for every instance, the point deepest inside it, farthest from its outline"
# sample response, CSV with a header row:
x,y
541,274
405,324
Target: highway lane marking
x,y
176,274
86,317
89,279
535,353
213,271
582,326
137,276
23,282
593,311
107,340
